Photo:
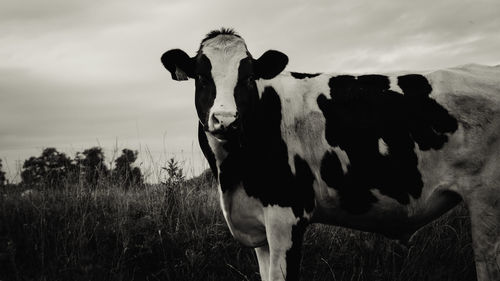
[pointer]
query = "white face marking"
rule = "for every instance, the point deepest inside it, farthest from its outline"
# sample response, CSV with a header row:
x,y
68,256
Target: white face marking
x,y
382,147
393,86
225,53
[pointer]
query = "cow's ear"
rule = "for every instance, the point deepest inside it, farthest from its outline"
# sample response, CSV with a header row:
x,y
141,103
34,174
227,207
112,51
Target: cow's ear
x,y
270,64
180,65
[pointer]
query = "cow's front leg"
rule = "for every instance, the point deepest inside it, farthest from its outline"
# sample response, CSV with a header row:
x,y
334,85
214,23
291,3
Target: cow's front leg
x,y
264,263
284,234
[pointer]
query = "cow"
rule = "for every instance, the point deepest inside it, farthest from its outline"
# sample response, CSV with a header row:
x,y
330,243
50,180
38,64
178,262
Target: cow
x,y
377,153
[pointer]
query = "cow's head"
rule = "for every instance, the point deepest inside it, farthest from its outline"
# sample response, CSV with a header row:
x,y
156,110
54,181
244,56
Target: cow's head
x,y
225,75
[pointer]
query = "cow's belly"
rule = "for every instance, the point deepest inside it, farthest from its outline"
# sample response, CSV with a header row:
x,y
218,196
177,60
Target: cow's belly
x,y
386,216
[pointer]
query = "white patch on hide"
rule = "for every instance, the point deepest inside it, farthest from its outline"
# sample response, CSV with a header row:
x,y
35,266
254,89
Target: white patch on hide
x,y
382,147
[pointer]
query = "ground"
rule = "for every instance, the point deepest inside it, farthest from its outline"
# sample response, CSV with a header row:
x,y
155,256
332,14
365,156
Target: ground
x,y
178,233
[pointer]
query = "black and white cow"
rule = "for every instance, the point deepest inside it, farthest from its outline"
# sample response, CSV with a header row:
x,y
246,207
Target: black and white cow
x,y
379,153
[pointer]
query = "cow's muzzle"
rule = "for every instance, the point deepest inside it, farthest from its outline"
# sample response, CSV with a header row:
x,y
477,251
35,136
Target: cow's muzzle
x,y
223,124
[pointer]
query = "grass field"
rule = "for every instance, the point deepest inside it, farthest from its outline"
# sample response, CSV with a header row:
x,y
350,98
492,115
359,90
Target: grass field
x,y
178,233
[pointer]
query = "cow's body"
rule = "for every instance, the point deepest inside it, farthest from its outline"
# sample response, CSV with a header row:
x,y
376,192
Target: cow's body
x,y
379,153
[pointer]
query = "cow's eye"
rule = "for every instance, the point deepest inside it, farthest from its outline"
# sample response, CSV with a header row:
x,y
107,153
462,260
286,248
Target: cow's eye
x,y
202,79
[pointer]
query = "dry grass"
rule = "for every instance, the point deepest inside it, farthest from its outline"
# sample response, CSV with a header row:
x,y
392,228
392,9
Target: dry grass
x,y
178,233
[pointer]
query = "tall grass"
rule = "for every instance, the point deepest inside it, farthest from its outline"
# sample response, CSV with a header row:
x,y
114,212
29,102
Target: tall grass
x,y
177,232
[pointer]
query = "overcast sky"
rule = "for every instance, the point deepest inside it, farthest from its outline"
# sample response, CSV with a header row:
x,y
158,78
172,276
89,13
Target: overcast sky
x,y
80,73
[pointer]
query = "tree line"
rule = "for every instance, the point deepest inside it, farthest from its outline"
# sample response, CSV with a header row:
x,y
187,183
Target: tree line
x,y
54,169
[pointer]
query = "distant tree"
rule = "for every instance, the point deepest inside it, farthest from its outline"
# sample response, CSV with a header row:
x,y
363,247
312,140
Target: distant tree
x,y
204,180
51,169
124,172
2,175
91,164
207,177
175,174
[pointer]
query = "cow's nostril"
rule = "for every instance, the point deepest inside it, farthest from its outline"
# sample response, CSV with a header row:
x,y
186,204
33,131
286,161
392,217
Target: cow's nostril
x,y
215,120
